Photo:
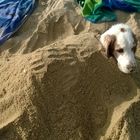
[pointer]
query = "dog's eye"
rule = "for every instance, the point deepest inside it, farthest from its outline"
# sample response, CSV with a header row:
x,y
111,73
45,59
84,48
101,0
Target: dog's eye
x,y
120,50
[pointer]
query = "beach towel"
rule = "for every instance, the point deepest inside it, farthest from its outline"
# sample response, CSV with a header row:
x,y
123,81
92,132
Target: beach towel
x,y
102,10
13,13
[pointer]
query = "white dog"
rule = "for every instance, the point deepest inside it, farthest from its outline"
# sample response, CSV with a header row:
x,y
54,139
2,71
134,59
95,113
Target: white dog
x,y
120,42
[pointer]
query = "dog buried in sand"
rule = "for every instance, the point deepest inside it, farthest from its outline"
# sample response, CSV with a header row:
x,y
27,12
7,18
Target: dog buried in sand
x,y
119,42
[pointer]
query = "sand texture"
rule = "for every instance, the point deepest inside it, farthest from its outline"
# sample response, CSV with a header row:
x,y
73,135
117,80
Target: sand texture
x,y
56,85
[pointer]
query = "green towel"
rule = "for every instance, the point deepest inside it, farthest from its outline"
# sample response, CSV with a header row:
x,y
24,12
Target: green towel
x,y
102,10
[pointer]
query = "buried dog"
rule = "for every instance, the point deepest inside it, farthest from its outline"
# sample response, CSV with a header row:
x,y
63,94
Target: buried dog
x,y
120,42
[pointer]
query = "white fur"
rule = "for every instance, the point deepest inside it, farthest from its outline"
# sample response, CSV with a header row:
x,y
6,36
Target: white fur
x,y
126,41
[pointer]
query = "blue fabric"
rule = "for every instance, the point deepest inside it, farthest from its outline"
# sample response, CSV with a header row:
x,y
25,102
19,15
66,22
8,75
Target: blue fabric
x,y
120,5
13,14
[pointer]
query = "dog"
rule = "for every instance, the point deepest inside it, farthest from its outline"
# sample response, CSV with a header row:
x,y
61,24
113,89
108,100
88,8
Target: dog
x,y
120,42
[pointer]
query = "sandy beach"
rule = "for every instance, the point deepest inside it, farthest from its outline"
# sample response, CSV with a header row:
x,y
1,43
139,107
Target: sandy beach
x,y
56,85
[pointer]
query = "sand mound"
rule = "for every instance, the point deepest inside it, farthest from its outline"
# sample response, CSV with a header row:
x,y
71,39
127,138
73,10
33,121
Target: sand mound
x,y
55,85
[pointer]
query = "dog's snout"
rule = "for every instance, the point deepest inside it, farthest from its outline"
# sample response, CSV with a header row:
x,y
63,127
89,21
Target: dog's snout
x,y
131,67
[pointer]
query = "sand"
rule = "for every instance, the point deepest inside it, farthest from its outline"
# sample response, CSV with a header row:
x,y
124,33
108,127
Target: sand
x,y
56,85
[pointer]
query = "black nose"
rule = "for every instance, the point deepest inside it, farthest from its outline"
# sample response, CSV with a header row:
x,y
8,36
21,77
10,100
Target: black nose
x,y
131,68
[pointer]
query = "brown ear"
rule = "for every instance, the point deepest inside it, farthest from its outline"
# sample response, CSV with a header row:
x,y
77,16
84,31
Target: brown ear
x,y
108,45
135,42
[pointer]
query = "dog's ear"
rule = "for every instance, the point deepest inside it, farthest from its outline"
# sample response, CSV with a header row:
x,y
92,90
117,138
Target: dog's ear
x,y
135,42
108,45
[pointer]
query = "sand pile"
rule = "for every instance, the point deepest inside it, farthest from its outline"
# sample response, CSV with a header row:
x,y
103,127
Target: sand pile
x,y
55,85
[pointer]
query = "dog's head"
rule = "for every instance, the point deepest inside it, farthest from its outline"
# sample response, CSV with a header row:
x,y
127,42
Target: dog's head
x,y
120,43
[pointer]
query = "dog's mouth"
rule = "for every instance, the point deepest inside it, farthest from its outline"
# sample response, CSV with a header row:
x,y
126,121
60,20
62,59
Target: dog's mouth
x,y
127,70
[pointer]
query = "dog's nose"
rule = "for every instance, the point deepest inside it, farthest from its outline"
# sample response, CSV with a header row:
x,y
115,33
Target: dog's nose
x,y
131,68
